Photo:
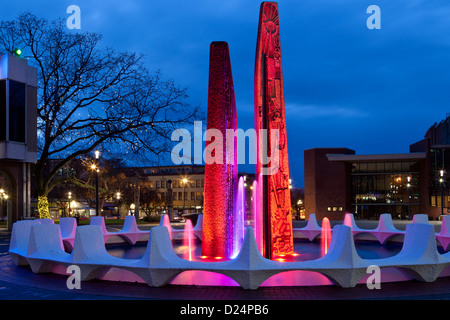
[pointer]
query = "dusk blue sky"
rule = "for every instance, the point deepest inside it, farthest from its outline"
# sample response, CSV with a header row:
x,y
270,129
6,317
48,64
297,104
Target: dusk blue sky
x,y
374,91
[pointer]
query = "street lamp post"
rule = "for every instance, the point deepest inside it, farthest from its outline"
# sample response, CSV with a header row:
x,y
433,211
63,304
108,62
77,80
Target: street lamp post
x,y
185,181
409,197
118,199
441,180
70,199
97,156
3,196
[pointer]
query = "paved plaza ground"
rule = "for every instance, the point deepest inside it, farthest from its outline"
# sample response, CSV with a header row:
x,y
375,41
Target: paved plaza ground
x,y
19,283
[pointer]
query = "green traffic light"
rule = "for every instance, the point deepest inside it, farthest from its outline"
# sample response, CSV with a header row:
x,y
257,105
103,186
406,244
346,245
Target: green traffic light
x,y
18,52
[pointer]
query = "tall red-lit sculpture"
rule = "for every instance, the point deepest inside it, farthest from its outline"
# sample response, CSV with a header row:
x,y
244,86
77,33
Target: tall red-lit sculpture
x,y
270,115
221,168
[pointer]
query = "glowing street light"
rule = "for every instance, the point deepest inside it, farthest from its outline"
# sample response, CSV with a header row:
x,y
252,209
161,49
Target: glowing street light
x,y
118,199
409,196
94,167
185,181
70,197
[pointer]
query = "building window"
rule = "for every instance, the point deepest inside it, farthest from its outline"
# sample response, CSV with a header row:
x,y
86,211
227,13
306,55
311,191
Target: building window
x,y
17,111
2,110
12,116
192,195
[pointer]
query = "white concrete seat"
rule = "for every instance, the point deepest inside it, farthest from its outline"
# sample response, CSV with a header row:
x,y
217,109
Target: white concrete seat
x,y
349,220
20,235
90,254
160,263
419,255
341,263
100,221
311,230
45,248
68,227
43,243
444,235
130,231
420,218
46,221
165,222
385,229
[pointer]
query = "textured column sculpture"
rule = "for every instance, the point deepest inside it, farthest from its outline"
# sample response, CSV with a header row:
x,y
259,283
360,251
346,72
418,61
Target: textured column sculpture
x,y
270,115
221,176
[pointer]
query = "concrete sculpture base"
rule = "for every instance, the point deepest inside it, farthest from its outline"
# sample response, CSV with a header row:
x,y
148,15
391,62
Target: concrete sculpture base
x,y
41,246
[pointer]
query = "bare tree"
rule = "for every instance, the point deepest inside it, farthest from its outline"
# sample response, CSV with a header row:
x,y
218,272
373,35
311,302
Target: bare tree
x,y
90,97
149,200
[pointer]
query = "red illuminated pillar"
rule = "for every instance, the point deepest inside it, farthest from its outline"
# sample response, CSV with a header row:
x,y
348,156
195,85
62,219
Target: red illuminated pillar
x,y
270,115
221,179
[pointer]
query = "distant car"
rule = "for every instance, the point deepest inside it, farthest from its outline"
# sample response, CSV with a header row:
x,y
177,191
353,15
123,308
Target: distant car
x,y
178,218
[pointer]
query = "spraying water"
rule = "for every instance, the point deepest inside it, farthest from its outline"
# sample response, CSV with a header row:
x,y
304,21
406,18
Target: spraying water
x,y
325,236
239,219
257,213
188,238
166,223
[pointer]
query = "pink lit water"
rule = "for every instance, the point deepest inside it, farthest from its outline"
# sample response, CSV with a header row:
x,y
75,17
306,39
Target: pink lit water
x,y
325,238
188,241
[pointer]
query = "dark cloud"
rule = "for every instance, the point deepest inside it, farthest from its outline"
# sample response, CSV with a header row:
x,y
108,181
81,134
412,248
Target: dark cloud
x,y
375,91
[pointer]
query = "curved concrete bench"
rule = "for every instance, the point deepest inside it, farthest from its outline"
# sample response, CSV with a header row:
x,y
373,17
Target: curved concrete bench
x,y
419,255
420,218
68,228
444,234
46,248
130,231
383,232
46,221
178,234
20,235
311,230
349,220
385,229
160,264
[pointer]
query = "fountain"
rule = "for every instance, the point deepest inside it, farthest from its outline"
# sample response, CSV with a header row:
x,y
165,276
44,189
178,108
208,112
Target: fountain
x,y
239,218
325,236
188,239
166,223
249,252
